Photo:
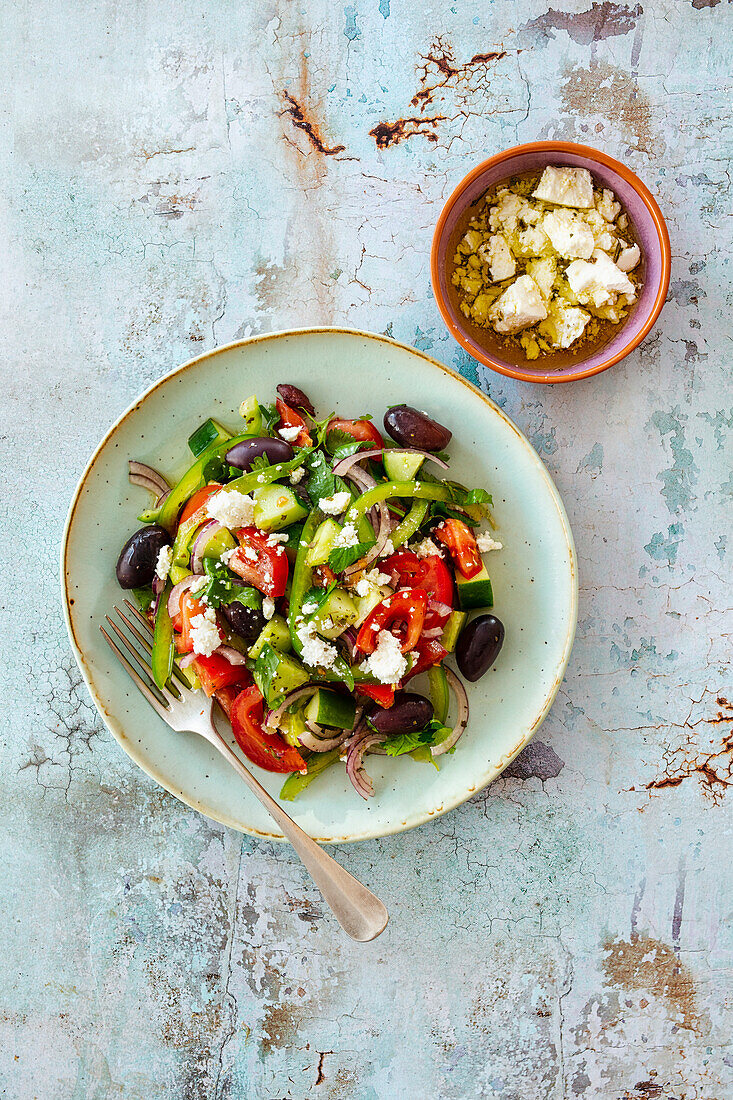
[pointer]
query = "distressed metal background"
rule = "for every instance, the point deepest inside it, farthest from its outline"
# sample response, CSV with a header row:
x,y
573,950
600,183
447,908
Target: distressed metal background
x,y
178,175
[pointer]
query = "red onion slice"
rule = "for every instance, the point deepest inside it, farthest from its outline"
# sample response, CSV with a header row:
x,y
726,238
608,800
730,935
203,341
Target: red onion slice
x,y
187,660
147,478
207,531
230,654
362,740
462,699
174,600
322,744
274,716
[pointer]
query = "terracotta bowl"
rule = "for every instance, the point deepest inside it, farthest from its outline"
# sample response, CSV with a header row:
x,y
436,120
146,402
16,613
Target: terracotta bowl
x,y
651,233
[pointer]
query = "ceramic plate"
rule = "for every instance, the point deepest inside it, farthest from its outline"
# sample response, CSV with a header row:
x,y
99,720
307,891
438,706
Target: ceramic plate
x,y
534,577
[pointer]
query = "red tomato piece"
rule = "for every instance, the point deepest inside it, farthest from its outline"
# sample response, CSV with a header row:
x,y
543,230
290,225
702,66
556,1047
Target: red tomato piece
x,y
429,653
430,574
363,430
197,501
289,418
268,750
380,693
215,672
190,608
461,541
406,607
261,565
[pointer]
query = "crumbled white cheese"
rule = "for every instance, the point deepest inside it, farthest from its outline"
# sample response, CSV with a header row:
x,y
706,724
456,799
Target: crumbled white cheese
x,y
543,272
596,283
231,509
309,607
564,323
268,607
387,663
497,255
347,536
316,652
335,505
297,475
628,258
486,542
276,537
164,562
368,582
570,235
226,555
607,205
289,434
196,585
426,549
520,306
387,550
205,633
565,187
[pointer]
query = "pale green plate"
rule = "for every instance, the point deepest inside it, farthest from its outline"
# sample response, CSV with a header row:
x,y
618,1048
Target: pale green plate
x,y
534,577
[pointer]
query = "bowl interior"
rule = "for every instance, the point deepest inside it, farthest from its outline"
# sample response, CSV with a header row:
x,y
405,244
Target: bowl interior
x,y
480,342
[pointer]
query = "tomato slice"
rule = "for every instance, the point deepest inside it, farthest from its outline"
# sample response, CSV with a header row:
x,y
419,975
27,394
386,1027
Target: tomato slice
x,y
215,672
197,500
289,418
363,430
190,608
380,693
260,564
430,574
461,541
407,607
429,653
268,750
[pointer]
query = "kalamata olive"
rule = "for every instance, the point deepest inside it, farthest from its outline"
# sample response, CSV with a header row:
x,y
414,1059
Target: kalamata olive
x,y
244,621
478,646
243,454
411,428
139,557
295,397
409,712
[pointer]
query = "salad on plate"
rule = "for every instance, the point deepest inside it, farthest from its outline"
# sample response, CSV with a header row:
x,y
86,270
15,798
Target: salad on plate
x,y
307,572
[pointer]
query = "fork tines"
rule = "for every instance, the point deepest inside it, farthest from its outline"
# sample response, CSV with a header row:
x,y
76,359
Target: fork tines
x,y
138,668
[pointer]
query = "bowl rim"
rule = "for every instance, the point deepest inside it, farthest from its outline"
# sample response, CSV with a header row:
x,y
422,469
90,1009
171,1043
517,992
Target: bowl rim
x,y
416,818
593,155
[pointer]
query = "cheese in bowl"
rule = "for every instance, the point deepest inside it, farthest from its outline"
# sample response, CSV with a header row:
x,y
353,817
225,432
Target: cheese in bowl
x,y
548,261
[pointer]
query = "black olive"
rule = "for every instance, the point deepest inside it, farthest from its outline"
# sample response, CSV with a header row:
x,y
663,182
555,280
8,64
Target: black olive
x,y
409,712
411,428
139,557
244,621
295,398
478,646
243,454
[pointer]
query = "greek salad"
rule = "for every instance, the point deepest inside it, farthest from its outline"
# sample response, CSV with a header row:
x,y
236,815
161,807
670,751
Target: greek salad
x,y
304,572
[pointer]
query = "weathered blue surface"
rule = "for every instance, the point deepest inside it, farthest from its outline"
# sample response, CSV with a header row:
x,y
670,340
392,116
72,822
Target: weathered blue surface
x,y
177,176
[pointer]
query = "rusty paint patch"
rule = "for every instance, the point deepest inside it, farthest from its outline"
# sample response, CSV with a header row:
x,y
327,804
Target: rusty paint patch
x,y
713,766
300,120
599,21
440,70
386,134
607,92
649,966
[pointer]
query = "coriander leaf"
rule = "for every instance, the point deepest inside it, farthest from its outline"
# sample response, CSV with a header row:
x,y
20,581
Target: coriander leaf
x,y
216,469
344,556
321,427
439,508
270,417
317,596
478,496
346,449
223,588
265,669
338,440
260,462
433,734
321,482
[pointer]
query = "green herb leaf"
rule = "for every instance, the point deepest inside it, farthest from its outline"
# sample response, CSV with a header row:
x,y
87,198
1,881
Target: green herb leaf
x,y
270,417
321,482
223,588
344,556
265,668
261,462
317,596
433,734
439,508
478,496
337,441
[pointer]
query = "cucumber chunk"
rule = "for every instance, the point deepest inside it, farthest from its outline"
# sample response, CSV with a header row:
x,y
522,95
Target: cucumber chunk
x,y
291,726
276,634
365,604
323,540
276,506
401,465
217,543
289,675
336,613
328,708
453,628
476,592
250,412
211,431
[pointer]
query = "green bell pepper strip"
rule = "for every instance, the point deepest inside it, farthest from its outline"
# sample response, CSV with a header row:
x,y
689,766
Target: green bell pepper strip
x,y
407,527
296,783
439,694
388,489
161,657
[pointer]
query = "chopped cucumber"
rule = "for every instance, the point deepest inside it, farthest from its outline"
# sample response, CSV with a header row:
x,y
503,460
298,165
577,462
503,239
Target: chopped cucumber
x,y
401,465
207,433
276,506
328,708
249,410
453,628
323,541
276,634
217,543
439,694
365,604
296,783
291,726
336,613
178,573
289,675
475,592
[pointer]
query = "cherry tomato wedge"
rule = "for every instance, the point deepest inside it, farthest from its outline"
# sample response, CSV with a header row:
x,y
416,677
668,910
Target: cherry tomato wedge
x,y
380,693
260,564
198,499
268,750
190,608
406,608
430,574
461,541
363,430
289,418
215,672
429,653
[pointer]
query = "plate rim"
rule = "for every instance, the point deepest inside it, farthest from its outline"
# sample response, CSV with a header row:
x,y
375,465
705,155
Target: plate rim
x,y
419,817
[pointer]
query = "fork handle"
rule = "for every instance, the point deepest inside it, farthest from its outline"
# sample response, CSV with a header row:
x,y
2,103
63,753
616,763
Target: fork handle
x,y
359,912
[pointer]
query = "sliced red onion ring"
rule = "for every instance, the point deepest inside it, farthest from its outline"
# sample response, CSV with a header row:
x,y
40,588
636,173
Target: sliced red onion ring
x,y
158,586
174,600
147,478
462,699
345,464
187,660
432,632
315,743
363,739
207,531
442,609
230,654
274,716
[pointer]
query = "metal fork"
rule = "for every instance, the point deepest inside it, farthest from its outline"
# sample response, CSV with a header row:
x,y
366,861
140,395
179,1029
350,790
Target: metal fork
x,y
359,912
